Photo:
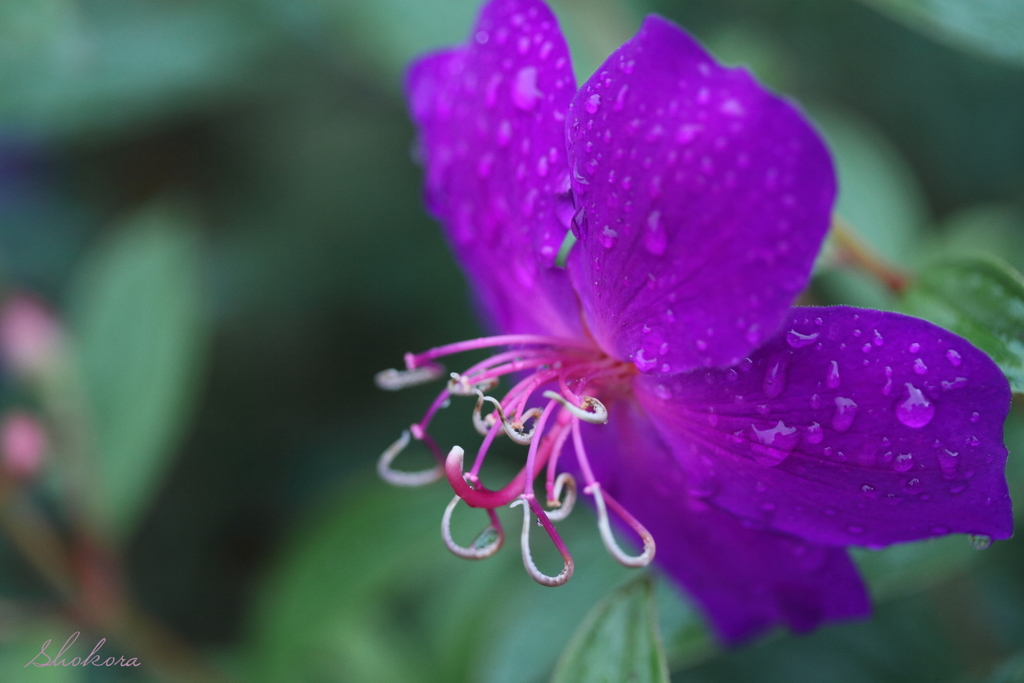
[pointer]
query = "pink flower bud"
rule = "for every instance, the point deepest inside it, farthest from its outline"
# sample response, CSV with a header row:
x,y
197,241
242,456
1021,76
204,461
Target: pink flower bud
x,y
22,444
30,335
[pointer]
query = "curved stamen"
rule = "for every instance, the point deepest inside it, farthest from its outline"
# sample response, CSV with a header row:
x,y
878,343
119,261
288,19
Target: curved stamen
x,y
398,478
396,380
479,497
413,361
482,424
476,551
528,502
514,430
464,385
562,507
641,560
590,409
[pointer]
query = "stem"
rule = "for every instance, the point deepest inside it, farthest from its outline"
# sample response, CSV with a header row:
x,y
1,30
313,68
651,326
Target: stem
x,y
854,251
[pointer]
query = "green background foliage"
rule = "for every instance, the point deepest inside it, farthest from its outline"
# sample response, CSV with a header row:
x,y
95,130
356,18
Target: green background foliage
x,y
219,201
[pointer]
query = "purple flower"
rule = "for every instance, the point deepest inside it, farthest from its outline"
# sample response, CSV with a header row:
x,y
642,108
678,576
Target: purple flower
x,y
663,366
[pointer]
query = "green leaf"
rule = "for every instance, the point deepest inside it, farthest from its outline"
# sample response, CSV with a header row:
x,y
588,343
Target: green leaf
x,y
617,641
989,27
138,325
980,298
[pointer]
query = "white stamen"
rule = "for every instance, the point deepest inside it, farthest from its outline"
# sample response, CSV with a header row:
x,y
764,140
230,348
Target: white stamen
x,y
531,568
514,430
563,508
480,423
461,385
396,380
591,410
474,552
641,560
398,478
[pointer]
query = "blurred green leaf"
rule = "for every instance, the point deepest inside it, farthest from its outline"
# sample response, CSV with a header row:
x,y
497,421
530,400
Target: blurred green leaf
x,y
138,323
910,568
617,641
83,66
878,195
980,298
990,27
1011,671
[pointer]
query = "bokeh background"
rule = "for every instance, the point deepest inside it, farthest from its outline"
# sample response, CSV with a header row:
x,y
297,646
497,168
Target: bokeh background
x,y
211,238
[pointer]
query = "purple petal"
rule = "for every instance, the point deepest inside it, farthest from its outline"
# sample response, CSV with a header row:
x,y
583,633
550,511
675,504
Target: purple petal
x,y
848,427
491,118
746,580
705,200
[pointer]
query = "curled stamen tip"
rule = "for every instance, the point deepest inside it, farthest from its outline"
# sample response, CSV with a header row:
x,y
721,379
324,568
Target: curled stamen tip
x,y
590,409
395,380
524,540
461,385
408,479
562,509
488,542
610,544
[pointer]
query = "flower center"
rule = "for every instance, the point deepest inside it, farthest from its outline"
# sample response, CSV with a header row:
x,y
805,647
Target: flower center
x,y
569,374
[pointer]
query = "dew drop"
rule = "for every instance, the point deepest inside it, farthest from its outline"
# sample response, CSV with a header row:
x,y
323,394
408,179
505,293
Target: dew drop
x,y
915,411
712,417
913,485
814,434
973,441
887,389
797,340
979,541
975,417
919,367
914,348
593,103
525,95
954,359
608,237
663,392
504,135
542,166
866,348
948,462
775,377
832,379
815,401
655,236
877,340
701,345
957,383
868,491
903,462
846,410
642,363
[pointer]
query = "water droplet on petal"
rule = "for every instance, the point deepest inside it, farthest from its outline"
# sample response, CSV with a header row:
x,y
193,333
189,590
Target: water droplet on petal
x,y
773,445
919,367
916,410
954,359
504,134
947,462
975,417
868,491
903,462
663,392
832,379
877,340
655,236
887,389
866,348
608,237
524,89
957,383
814,434
642,363
979,541
593,103
913,485
914,348
846,410
775,377
712,417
